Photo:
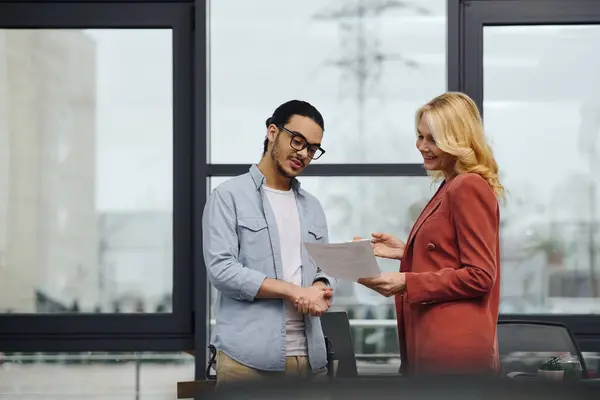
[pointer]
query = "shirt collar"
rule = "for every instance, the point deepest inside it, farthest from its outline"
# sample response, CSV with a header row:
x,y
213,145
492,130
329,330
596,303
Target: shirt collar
x,y
259,178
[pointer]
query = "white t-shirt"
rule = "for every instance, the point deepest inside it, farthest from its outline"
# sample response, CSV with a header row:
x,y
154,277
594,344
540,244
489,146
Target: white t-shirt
x,y
287,217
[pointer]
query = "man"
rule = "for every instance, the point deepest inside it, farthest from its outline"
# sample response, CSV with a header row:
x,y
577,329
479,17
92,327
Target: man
x,y
253,229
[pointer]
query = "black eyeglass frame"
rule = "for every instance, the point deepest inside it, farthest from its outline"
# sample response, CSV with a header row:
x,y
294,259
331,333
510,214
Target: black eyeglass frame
x,y
306,143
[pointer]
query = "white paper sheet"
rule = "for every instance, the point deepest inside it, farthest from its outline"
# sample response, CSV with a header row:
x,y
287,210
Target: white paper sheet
x,y
349,261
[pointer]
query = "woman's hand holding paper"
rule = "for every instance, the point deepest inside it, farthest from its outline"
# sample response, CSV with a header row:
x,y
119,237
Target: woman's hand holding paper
x,y
386,245
387,283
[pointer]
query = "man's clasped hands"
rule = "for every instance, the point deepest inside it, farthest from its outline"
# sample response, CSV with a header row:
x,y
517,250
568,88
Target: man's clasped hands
x,y
314,300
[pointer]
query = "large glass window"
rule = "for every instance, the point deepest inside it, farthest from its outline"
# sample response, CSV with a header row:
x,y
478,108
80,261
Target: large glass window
x,y
365,64
86,170
543,115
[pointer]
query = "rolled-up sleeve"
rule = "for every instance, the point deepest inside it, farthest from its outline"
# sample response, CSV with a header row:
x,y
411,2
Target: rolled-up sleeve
x,y
220,247
321,276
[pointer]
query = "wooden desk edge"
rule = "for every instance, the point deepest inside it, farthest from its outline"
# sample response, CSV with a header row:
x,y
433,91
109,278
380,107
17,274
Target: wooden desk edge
x,y
189,389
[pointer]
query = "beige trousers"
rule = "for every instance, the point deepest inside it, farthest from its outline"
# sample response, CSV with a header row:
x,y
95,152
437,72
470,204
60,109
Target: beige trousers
x,y
230,371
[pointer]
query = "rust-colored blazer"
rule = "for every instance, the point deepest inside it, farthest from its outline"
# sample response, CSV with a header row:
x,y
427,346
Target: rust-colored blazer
x,y
448,314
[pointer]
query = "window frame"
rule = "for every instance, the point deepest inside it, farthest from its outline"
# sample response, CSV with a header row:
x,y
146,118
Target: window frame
x,y
329,170
133,332
466,22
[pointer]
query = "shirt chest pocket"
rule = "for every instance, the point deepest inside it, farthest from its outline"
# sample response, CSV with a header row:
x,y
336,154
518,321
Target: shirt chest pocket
x,y
254,240
316,233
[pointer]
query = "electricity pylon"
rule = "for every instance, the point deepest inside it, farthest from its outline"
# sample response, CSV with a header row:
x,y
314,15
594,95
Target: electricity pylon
x,y
362,57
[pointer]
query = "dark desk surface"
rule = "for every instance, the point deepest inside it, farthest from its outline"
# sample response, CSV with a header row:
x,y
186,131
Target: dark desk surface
x,y
426,388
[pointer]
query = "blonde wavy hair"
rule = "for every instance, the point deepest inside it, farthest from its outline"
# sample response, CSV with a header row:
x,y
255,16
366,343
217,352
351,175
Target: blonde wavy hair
x,y
456,125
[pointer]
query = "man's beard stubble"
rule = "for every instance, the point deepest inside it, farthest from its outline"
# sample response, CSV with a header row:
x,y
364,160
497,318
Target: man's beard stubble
x,y
275,158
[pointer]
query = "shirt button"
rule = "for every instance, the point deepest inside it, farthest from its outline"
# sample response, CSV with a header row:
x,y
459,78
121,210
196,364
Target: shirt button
x,y
430,246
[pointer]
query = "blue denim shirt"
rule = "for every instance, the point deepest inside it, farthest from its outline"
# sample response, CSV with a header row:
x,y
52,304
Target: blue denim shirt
x,y
241,249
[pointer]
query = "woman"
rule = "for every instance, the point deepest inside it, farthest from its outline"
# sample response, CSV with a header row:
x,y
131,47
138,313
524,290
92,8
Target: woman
x,y
448,288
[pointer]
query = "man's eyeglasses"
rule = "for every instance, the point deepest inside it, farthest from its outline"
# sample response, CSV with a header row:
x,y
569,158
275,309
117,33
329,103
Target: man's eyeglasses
x,y
299,142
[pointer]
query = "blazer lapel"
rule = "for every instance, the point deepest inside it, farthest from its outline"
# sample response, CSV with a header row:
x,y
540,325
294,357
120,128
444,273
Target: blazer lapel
x,y
433,205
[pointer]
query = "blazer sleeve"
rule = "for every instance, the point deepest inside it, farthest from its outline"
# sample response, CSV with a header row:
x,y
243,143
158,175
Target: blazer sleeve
x,y
475,216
